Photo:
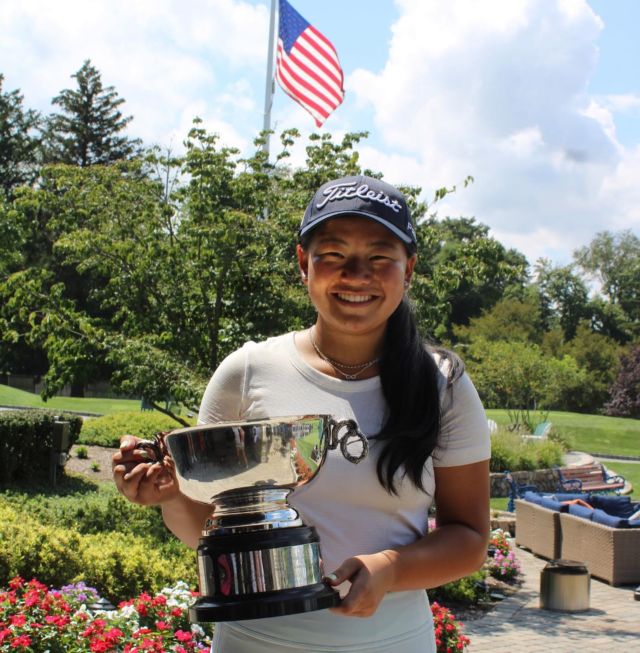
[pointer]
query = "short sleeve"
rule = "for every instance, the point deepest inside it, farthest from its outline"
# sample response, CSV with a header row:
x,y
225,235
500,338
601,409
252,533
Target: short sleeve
x,y
222,400
464,433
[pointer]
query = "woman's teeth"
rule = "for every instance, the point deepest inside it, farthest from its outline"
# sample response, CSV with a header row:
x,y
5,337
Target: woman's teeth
x,y
356,299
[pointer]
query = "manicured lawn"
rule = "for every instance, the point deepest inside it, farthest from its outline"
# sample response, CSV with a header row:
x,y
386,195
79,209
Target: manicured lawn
x,y
14,397
631,472
590,433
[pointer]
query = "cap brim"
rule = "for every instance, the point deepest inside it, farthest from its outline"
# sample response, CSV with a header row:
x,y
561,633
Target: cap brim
x,y
328,216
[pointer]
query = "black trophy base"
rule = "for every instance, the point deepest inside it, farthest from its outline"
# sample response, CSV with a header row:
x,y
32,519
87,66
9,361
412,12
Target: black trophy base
x,y
265,604
259,574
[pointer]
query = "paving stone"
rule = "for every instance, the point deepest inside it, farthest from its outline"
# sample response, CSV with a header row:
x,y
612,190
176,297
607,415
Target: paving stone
x,y
519,625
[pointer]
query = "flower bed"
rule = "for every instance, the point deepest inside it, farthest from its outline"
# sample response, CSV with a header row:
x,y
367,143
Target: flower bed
x,y
35,618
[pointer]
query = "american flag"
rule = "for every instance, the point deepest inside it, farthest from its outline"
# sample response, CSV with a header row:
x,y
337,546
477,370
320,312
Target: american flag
x,y
307,66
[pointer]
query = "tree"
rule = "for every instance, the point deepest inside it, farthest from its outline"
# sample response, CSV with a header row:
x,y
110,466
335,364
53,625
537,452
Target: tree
x,y
461,271
625,391
599,357
19,141
614,261
509,320
155,288
518,377
564,296
88,131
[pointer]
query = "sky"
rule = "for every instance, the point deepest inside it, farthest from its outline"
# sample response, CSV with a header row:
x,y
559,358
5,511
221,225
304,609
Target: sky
x,y
537,100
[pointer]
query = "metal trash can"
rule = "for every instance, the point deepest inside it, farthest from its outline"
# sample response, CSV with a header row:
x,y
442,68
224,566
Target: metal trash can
x,y
564,586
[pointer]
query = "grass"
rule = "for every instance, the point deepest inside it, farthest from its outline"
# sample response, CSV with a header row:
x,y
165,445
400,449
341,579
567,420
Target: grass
x,y
20,398
631,473
590,433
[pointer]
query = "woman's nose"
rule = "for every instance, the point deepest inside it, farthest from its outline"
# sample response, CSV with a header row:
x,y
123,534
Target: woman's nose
x,y
356,268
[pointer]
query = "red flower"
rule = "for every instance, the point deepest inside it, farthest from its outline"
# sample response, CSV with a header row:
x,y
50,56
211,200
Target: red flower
x,y
18,620
16,583
22,641
183,636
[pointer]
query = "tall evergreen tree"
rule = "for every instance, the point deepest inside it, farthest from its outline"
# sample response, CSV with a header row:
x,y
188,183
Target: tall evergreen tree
x,y
18,141
88,131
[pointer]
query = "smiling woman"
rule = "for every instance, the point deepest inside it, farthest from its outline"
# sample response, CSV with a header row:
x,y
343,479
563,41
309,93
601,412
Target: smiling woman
x,y
362,360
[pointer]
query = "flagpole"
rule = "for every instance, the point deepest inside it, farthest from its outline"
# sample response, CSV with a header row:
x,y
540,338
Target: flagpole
x,y
268,94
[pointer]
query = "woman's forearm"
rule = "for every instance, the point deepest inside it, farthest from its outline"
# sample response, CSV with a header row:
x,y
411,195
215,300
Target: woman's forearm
x,y
185,518
446,554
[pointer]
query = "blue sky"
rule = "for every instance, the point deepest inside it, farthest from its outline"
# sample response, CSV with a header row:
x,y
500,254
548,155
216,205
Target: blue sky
x,y
539,100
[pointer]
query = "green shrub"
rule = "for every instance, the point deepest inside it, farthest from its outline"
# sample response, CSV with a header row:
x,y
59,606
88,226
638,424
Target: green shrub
x,y
26,442
466,590
510,451
118,565
98,512
82,452
106,431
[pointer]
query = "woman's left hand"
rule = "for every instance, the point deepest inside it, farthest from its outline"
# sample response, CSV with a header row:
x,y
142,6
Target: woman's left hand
x,y
371,577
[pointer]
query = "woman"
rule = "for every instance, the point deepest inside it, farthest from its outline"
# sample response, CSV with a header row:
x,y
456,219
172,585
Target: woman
x,y
428,434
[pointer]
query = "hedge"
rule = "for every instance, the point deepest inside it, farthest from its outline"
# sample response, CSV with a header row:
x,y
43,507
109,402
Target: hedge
x,y
26,442
117,565
106,431
104,511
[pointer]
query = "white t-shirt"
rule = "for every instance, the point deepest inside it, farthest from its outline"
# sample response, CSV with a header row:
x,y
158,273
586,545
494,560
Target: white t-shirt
x,y
352,513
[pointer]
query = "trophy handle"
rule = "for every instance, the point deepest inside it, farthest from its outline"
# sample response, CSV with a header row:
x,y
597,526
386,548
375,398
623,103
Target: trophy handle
x,y
353,443
156,448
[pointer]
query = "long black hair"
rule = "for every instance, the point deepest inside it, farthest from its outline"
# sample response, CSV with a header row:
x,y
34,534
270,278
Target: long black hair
x,y
410,375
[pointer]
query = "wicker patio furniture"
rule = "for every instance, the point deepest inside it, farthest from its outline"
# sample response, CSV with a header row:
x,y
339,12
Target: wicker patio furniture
x,y
538,529
611,554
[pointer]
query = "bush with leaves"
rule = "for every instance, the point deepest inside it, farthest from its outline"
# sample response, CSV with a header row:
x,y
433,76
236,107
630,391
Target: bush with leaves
x,y
464,591
26,442
118,565
102,511
510,451
107,430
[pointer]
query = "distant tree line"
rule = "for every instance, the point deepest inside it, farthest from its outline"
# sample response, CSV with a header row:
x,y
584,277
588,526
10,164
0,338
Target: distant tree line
x,y
128,263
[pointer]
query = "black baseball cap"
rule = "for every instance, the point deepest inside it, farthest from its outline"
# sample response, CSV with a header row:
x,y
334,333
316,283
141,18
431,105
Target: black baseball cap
x,y
365,196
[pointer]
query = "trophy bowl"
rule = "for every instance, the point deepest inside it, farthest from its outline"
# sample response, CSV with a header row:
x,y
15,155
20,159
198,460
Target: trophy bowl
x,y
256,558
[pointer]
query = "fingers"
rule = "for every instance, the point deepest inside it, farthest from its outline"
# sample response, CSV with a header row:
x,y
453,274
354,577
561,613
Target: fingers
x,y
371,577
344,572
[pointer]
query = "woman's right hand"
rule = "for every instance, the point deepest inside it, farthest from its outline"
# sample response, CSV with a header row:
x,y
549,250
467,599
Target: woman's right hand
x,y
138,478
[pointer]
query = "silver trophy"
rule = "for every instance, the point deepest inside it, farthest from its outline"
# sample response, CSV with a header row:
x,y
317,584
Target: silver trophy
x,y
256,558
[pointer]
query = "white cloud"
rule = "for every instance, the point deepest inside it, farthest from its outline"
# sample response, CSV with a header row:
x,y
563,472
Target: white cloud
x,y
161,55
498,90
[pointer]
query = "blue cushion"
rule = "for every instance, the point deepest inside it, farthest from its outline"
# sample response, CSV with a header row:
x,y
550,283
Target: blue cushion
x,y
580,511
601,517
533,497
613,505
552,504
572,496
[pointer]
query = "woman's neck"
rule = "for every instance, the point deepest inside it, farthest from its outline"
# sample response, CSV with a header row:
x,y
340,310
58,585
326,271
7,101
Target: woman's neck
x,y
347,348
351,357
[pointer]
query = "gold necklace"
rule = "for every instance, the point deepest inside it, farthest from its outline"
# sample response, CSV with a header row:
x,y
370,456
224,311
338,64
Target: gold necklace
x,y
349,376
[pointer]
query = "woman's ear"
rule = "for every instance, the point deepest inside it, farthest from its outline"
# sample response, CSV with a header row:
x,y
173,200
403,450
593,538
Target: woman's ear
x,y
408,272
303,263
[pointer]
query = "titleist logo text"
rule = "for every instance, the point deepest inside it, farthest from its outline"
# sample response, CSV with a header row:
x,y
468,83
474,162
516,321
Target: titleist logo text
x,y
349,190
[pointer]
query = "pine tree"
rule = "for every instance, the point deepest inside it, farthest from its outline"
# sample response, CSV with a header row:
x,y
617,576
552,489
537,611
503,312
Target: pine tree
x,y
18,141
89,129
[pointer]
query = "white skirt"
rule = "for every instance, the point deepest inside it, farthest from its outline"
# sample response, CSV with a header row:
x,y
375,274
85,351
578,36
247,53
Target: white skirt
x,y
402,624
